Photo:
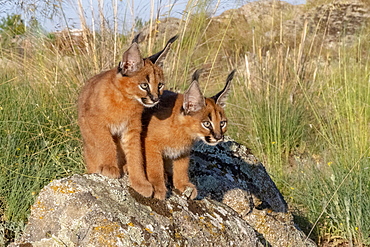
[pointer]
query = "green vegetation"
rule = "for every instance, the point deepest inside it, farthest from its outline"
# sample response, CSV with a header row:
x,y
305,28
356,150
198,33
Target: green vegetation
x,y
303,109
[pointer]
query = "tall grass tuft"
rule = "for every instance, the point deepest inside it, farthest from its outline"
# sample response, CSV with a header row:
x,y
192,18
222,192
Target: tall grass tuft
x,y
39,138
344,131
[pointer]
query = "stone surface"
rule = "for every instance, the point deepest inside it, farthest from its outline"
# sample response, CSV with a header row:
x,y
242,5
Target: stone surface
x,y
231,174
238,205
231,166
263,12
162,29
332,24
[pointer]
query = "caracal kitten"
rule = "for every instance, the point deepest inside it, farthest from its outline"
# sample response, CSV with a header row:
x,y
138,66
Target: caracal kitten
x,y
171,128
110,106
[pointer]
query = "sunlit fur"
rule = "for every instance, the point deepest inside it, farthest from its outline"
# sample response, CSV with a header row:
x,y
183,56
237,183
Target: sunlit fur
x,y
169,134
110,106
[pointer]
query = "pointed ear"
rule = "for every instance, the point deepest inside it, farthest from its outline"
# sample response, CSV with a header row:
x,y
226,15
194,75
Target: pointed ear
x,y
196,74
136,39
160,56
193,97
131,60
221,97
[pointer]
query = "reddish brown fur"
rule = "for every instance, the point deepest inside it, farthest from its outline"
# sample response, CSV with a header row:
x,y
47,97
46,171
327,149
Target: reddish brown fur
x,y
110,121
169,134
109,114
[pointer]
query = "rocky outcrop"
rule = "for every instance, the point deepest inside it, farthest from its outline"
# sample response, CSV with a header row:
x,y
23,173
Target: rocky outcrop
x,y
331,24
238,205
334,23
160,29
263,12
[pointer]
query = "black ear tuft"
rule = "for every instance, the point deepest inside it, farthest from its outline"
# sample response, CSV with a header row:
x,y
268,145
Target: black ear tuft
x,y
221,97
173,39
160,56
196,75
230,76
138,38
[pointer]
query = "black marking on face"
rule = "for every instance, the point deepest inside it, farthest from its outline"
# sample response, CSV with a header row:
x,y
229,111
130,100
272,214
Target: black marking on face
x,y
208,139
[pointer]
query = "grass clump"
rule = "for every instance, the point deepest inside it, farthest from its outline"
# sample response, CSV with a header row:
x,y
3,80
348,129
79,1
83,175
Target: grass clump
x,y
39,137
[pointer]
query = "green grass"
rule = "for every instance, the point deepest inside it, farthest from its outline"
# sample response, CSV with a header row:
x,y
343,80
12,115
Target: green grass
x,y
39,141
307,120
343,128
312,133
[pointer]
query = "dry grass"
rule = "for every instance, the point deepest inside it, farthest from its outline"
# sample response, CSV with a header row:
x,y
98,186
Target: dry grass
x,y
302,107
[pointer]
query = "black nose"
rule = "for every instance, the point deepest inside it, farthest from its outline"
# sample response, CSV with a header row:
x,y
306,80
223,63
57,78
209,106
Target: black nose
x,y
154,98
218,137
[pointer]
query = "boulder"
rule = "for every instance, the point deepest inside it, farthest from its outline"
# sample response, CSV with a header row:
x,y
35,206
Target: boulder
x,y
238,205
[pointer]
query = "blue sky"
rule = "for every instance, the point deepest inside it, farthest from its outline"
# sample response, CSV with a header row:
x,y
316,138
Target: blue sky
x,y
127,10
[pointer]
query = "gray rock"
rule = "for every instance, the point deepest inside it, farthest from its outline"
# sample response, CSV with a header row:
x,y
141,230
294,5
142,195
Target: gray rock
x,y
161,30
332,24
230,166
231,174
92,210
263,12
335,23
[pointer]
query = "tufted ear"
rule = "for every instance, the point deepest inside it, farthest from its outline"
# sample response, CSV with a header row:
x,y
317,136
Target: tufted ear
x,y
221,97
131,60
160,56
138,38
193,97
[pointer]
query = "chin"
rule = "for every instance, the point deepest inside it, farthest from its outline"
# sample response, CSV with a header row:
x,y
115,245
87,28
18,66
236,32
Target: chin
x,y
146,104
210,142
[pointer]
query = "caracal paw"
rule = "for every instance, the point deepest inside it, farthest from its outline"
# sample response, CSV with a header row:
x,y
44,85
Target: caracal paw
x,y
188,190
144,188
109,171
160,192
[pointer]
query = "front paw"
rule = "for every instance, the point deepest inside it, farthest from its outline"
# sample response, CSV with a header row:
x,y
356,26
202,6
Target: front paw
x,y
109,171
160,192
188,190
143,187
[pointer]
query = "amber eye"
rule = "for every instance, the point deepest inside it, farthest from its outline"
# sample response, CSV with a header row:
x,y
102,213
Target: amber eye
x,y
206,124
223,124
160,85
144,86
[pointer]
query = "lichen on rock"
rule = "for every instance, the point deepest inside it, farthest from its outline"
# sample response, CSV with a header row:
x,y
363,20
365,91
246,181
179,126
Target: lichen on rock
x,y
92,210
